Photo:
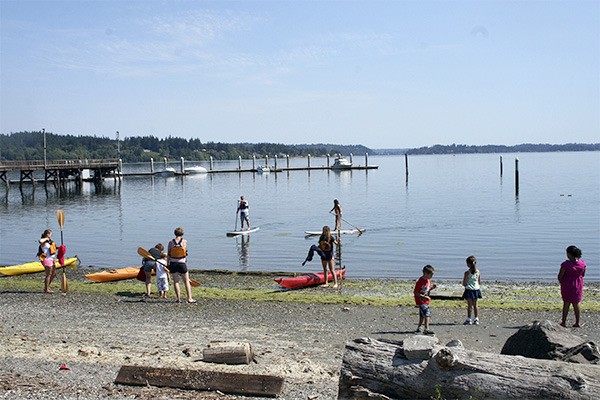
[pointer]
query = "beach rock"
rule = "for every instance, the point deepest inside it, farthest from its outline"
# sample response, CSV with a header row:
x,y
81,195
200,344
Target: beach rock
x,y
549,341
419,347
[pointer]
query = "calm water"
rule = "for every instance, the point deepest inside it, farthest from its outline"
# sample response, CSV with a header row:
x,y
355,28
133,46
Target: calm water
x,y
450,207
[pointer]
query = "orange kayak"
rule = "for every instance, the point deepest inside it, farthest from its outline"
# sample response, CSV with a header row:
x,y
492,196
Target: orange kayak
x,y
115,274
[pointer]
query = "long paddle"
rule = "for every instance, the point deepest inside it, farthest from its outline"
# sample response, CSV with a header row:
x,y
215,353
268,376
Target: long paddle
x,y
360,231
146,254
64,284
237,210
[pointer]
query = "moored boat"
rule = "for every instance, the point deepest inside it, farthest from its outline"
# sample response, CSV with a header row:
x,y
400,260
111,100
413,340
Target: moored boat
x,y
166,171
307,280
261,169
33,267
196,170
341,163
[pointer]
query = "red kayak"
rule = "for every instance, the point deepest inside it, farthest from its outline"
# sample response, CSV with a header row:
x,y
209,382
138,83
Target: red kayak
x,y
310,279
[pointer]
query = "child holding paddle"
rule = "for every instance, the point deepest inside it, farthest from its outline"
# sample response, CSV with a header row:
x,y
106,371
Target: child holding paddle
x,y
149,264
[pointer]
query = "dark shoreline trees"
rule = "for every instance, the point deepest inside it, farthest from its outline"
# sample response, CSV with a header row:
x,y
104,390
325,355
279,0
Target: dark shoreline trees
x,y
29,146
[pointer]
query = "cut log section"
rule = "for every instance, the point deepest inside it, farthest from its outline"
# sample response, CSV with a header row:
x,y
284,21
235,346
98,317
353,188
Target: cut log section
x,y
226,382
372,369
228,353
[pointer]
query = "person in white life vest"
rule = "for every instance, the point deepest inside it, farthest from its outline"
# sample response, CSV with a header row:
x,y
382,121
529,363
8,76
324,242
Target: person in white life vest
x,y
244,212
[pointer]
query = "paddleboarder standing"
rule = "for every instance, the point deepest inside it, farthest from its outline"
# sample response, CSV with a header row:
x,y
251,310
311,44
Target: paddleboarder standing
x,y
337,211
244,212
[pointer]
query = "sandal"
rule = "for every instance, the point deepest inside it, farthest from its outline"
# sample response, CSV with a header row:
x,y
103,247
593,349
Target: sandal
x,y
192,301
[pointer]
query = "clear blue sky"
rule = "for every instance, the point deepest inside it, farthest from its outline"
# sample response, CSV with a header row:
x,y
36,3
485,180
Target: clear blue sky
x,y
385,74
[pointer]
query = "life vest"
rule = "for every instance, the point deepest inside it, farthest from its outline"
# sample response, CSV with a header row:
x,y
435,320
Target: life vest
x,y
324,245
42,254
177,250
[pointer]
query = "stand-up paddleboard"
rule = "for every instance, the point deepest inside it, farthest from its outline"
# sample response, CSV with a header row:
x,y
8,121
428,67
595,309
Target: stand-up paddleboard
x,y
244,232
334,233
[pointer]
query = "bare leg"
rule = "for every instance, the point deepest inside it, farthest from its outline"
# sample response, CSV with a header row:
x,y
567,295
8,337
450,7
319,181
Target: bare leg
x,y
426,324
148,282
188,287
325,272
565,312
577,312
469,307
50,274
176,286
332,269
475,309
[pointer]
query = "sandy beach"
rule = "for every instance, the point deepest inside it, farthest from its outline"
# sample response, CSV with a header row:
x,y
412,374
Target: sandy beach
x,y
94,334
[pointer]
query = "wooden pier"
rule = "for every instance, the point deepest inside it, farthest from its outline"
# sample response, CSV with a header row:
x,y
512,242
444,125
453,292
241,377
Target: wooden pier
x,y
274,167
58,170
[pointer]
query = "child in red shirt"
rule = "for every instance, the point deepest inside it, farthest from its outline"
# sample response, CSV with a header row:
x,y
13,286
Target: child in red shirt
x,y
422,299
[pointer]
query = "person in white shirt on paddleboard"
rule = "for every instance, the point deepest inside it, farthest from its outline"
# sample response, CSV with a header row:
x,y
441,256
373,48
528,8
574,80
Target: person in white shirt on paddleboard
x,y
244,212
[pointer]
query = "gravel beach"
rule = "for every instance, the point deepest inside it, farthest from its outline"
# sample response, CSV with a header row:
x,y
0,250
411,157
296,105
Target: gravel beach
x,y
94,334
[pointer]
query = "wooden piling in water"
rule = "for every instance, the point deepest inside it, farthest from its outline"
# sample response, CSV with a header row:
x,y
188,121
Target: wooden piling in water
x,y
406,163
517,176
501,166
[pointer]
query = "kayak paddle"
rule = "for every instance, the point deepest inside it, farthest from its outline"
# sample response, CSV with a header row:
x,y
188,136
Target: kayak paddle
x,y
64,284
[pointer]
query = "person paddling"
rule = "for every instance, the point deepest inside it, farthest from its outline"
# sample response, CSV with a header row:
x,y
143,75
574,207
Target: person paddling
x,y
337,211
244,212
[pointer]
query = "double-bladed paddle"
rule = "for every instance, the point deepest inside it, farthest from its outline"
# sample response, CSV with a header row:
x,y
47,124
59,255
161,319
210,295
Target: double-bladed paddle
x,y
64,284
146,254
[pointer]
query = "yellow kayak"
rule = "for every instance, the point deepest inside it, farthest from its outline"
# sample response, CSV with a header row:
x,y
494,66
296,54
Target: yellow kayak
x,y
32,267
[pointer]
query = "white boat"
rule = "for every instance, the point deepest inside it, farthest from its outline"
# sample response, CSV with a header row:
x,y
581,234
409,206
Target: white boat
x,y
166,171
263,169
334,233
196,170
341,163
242,233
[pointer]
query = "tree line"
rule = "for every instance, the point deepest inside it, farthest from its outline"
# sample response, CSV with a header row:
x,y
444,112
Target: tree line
x,y
30,146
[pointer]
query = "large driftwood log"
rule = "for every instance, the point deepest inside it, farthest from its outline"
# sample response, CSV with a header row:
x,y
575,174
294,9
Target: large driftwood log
x,y
228,352
373,369
226,382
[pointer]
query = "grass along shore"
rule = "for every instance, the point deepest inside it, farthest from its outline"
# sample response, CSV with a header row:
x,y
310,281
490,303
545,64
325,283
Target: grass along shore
x,y
260,287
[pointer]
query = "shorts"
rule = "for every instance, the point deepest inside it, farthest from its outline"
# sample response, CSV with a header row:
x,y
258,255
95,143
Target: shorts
x,y
48,262
162,284
326,255
424,311
177,267
148,266
244,217
472,294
